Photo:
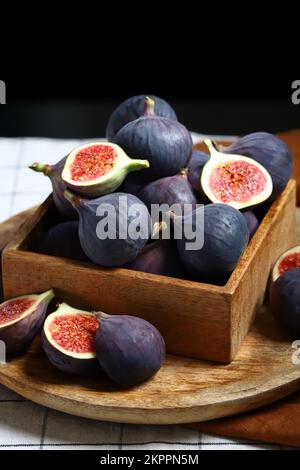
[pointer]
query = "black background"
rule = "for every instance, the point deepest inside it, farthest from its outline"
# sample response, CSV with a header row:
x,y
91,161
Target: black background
x,y
67,67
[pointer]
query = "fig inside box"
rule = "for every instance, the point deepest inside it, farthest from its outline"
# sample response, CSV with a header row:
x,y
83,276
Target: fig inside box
x,y
196,319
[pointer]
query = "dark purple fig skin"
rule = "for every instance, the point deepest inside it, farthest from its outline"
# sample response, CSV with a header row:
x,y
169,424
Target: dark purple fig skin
x,y
129,349
115,252
226,236
19,335
195,166
62,205
165,143
285,301
269,151
252,222
62,240
159,257
133,108
169,190
131,187
66,363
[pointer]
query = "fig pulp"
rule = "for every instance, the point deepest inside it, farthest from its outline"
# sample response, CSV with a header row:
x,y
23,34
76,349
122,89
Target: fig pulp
x,y
98,168
225,238
166,143
271,152
133,108
68,340
118,212
234,179
62,240
21,319
129,349
195,167
285,301
287,261
54,173
169,190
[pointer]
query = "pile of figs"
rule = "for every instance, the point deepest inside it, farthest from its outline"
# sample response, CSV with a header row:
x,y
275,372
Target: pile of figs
x,y
148,161
128,349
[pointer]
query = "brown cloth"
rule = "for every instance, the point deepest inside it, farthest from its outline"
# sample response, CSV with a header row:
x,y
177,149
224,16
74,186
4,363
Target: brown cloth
x,y
277,423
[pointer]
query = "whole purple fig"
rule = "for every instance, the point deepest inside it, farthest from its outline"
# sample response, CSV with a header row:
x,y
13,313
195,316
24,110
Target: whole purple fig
x,y
252,222
195,166
54,173
169,190
271,152
105,225
129,349
165,143
133,108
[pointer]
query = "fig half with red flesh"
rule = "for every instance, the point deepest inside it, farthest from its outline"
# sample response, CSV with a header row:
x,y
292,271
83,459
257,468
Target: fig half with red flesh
x,y
21,319
287,261
234,179
68,340
98,168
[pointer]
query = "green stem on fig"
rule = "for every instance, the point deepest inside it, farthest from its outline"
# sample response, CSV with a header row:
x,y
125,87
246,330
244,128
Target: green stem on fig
x,y
149,106
136,164
183,172
40,168
212,146
71,197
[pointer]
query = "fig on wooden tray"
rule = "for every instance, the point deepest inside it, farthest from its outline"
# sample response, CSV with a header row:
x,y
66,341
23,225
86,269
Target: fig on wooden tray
x,y
21,319
98,168
166,143
224,234
129,349
54,173
169,190
113,229
62,240
133,108
269,151
68,340
286,262
232,179
285,301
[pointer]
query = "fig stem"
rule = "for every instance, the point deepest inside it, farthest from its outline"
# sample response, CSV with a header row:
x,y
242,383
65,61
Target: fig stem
x,y
158,229
71,197
40,168
136,164
212,146
183,172
149,106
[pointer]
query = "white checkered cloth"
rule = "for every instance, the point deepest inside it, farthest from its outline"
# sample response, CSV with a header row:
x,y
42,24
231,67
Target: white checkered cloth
x,y
25,425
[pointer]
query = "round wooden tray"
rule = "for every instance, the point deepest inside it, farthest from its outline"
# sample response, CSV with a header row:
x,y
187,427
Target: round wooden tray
x,y
183,391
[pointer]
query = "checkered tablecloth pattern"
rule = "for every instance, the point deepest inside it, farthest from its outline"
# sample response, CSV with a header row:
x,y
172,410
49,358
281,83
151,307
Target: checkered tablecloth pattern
x,y
25,425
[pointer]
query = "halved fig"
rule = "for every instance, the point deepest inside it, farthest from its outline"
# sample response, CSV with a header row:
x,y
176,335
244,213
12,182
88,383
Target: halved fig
x,y
235,180
287,261
98,168
68,340
21,319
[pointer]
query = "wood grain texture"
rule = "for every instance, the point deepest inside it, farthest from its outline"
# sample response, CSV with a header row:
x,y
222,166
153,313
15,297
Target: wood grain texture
x,y
183,391
196,319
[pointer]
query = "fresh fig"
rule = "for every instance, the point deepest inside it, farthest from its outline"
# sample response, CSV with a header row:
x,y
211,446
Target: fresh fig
x,y
286,262
225,237
159,257
195,167
271,152
21,319
129,349
98,168
285,301
68,340
133,108
117,212
252,222
231,179
166,143
62,240
54,173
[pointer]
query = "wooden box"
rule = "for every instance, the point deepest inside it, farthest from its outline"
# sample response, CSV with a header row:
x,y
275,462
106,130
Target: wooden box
x,y
196,319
